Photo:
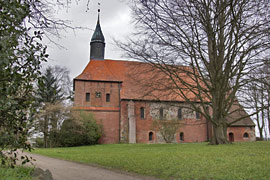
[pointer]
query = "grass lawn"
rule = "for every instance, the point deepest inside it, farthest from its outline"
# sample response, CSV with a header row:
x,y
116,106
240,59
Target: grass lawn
x,y
18,173
176,161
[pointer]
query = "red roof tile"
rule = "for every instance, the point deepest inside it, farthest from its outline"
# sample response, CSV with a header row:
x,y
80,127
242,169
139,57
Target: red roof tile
x,y
138,79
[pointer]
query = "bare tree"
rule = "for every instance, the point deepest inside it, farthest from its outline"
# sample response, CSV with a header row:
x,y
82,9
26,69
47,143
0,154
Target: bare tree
x,y
267,87
204,48
167,128
258,97
50,119
256,102
53,93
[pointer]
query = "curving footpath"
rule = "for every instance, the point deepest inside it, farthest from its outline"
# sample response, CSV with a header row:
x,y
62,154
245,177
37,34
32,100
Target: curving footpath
x,y
66,170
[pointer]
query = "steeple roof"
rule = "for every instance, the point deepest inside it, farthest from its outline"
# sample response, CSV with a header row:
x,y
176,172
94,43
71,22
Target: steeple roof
x,y
98,35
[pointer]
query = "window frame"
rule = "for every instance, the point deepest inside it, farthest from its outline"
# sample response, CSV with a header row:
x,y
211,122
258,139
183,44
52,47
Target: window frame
x,y
150,136
98,94
245,135
198,115
108,97
181,136
87,97
161,113
179,115
142,112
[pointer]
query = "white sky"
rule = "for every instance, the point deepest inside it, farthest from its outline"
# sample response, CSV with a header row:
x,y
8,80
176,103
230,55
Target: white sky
x,y
115,20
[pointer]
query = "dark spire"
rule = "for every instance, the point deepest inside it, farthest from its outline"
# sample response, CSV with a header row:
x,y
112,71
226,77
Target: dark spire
x,y
97,44
98,35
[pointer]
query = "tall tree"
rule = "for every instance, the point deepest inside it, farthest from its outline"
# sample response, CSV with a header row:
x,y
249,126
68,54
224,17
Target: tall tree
x,y
52,90
219,41
22,27
258,97
48,88
21,54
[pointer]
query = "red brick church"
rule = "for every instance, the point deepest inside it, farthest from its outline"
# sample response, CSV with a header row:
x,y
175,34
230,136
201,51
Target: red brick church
x,y
109,89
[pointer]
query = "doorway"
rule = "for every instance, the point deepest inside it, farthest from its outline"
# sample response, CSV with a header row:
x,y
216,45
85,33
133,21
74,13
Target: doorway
x,y
231,137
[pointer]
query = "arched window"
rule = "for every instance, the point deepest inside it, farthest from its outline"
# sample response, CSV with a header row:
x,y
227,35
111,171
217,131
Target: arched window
x,y
181,136
245,135
151,136
161,115
179,113
197,115
142,112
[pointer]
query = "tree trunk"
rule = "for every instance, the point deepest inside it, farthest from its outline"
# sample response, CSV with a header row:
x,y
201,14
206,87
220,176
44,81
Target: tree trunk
x,y
268,109
45,131
219,137
262,115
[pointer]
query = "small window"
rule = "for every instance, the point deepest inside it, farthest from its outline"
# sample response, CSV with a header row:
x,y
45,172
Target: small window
x,y
98,94
207,109
245,135
180,113
108,97
181,136
151,136
197,115
142,112
87,97
161,115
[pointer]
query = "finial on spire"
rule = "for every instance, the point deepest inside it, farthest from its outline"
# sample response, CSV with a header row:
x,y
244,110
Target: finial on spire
x,y
98,10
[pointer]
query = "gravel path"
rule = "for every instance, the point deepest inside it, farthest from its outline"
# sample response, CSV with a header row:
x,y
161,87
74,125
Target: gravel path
x,y
66,170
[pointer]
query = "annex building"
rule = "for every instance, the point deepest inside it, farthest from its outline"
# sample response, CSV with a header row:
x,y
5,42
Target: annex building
x,y
110,90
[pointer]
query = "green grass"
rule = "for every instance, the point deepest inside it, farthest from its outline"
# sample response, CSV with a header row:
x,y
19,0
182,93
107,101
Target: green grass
x,y
18,173
237,161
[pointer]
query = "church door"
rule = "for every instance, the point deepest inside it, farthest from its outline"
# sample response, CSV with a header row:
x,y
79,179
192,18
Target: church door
x,y
231,137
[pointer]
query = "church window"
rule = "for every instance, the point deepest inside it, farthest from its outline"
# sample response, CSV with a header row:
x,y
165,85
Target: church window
x,y
151,136
142,112
98,94
161,113
245,135
87,97
108,97
197,115
207,109
181,136
180,113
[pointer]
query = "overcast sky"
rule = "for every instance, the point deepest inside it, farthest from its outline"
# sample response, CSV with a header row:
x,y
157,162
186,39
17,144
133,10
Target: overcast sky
x,y
115,20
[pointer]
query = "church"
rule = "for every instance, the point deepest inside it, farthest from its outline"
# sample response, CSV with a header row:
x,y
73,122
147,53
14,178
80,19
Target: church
x,y
109,89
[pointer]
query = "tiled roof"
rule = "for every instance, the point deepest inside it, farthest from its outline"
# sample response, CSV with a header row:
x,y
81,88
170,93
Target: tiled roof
x,y
138,79
237,112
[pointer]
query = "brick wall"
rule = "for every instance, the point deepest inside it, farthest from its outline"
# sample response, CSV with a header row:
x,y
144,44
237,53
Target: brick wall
x,y
238,133
107,113
83,87
195,130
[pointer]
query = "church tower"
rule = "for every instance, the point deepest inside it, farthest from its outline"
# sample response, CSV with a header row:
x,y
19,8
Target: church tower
x,y
97,44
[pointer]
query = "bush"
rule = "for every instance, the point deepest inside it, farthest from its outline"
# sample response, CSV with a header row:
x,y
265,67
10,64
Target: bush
x,y
80,129
39,142
19,172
